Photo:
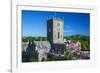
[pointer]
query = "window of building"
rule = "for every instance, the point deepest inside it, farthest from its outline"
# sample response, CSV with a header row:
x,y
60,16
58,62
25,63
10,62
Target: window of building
x,y
58,34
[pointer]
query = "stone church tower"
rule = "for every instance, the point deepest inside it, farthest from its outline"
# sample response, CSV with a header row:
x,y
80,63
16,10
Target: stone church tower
x,y
55,30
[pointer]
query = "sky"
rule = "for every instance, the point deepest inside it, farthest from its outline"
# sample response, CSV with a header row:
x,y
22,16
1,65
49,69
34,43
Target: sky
x,y
34,23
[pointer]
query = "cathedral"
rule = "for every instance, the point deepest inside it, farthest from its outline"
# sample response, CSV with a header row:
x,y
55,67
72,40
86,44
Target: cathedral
x,y
55,44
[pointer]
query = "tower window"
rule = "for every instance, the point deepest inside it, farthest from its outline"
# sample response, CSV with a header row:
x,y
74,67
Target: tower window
x,y
58,34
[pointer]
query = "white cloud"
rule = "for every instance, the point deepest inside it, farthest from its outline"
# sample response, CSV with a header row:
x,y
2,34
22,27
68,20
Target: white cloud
x,y
68,31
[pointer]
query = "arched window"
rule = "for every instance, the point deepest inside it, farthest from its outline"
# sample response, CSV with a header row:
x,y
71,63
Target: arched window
x,y
58,35
43,59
